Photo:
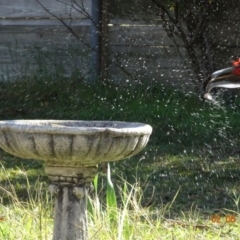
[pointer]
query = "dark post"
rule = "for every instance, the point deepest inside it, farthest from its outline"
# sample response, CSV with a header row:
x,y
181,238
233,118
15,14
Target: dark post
x,y
104,41
96,39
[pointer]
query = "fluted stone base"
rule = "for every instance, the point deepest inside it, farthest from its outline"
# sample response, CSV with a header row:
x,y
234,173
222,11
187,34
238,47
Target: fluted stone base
x,y
70,186
70,215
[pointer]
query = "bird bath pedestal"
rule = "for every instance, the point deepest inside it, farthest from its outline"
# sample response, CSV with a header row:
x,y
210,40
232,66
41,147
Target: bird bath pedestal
x,y
71,151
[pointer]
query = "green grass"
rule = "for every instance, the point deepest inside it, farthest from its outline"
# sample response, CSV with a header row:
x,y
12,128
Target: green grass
x,y
124,219
188,172
179,119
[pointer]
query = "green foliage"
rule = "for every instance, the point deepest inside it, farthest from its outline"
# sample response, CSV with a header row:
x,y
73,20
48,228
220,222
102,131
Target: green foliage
x,y
31,219
185,164
111,200
179,119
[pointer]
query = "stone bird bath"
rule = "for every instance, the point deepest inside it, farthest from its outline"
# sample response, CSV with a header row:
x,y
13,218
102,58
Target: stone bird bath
x,y
71,151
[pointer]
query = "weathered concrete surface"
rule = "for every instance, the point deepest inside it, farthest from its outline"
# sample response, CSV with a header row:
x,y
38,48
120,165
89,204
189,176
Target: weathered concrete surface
x,y
70,216
73,175
73,143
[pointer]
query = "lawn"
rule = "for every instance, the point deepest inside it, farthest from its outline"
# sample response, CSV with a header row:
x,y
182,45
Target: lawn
x,y
183,185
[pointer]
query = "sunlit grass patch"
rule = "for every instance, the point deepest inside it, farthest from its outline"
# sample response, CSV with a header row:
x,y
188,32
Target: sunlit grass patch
x,y
26,219
124,217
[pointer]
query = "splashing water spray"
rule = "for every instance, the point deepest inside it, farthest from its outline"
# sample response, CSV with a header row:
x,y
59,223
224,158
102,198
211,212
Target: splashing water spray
x,y
225,78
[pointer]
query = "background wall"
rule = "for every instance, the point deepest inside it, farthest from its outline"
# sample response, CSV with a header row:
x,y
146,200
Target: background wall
x,y
30,36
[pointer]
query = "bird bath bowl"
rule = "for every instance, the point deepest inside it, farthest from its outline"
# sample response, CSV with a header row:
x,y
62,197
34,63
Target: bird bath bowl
x,y
71,150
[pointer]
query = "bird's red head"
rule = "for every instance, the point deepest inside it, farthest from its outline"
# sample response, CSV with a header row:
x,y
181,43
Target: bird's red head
x,y
236,66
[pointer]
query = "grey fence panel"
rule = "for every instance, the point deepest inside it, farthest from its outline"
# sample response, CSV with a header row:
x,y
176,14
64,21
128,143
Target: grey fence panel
x,y
143,50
